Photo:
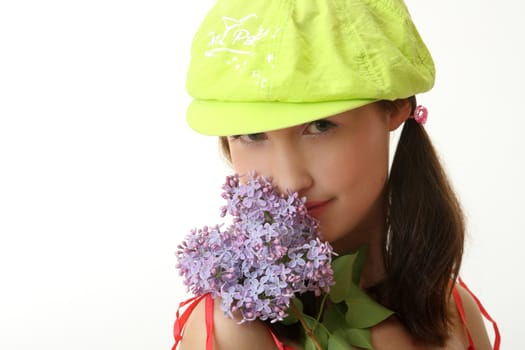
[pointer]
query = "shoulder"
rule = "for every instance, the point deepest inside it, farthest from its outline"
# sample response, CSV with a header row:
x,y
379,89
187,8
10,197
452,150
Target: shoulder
x,y
474,319
227,333
391,334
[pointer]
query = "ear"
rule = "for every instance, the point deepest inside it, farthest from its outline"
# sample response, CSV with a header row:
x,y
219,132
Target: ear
x,y
400,113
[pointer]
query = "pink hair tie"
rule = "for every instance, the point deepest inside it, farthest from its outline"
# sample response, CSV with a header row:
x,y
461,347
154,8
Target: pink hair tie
x,y
420,114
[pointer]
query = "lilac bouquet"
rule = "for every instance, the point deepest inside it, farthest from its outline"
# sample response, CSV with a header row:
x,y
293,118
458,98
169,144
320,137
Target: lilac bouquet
x,y
270,252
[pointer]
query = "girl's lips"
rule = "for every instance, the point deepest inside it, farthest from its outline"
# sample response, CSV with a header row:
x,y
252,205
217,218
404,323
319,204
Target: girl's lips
x,y
316,208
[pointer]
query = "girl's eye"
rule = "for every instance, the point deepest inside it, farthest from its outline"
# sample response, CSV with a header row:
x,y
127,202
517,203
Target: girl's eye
x,y
250,138
319,126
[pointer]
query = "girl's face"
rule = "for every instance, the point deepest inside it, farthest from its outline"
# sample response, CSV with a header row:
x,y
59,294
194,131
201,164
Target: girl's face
x,y
339,163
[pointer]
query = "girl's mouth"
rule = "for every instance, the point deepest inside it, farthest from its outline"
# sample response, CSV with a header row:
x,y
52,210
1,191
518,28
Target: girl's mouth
x,y
316,208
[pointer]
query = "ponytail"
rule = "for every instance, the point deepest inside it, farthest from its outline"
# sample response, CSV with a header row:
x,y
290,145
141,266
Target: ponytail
x,y
424,243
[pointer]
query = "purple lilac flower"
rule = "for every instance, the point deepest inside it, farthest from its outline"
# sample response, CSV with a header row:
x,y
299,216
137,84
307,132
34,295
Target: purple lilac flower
x,y
270,252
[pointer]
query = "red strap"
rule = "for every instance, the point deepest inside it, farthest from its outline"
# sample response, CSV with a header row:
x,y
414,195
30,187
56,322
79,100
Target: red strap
x,y
459,305
497,337
209,322
277,342
180,321
208,309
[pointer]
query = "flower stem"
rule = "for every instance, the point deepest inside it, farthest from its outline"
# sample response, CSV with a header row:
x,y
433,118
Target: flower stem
x,y
307,329
321,308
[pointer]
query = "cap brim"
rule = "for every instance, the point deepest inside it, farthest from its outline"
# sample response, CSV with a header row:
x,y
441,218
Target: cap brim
x,y
221,118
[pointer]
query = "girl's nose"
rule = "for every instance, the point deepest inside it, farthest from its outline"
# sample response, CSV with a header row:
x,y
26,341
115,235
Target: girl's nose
x,y
291,172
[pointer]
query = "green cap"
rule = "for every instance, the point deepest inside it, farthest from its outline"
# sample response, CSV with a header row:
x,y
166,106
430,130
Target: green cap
x,y
261,65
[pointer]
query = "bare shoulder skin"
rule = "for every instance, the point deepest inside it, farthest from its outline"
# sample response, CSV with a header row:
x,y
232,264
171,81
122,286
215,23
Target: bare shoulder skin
x,y
474,320
228,333
392,335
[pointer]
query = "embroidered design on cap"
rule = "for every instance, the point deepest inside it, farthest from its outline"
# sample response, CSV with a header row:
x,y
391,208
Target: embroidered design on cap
x,y
237,43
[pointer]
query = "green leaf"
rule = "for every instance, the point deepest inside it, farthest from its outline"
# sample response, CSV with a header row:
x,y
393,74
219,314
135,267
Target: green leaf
x,y
334,317
321,333
338,341
309,344
363,311
347,270
268,218
359,263
347,338
359,337
342,267
347,320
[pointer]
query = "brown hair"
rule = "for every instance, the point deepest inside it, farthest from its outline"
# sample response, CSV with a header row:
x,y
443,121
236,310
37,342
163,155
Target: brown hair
x,y
424,242
224,147
423,245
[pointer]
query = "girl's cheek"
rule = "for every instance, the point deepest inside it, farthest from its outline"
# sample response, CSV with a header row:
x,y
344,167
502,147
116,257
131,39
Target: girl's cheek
x,y
244,161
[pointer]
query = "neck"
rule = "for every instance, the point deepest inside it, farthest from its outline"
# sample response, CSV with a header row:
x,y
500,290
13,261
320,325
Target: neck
x,y
371,232
374,268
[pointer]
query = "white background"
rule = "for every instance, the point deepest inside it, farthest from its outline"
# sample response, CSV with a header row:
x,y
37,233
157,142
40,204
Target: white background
x,y
100,177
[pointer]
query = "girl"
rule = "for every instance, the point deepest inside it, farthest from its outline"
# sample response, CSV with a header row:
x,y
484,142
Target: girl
x,y
307,92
